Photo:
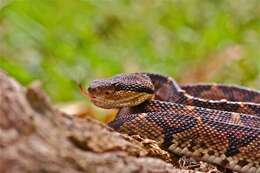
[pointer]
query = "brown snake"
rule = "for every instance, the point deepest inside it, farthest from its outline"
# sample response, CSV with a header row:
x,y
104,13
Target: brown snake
x,y
215,123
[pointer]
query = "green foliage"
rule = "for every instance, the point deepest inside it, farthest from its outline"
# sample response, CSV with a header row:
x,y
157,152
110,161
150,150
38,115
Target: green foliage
x,y
61,42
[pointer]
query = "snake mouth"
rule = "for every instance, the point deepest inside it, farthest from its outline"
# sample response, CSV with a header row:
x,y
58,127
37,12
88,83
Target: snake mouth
x,y
134,100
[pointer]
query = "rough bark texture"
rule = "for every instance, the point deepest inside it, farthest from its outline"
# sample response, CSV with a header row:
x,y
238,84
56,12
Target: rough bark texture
x,y
34,137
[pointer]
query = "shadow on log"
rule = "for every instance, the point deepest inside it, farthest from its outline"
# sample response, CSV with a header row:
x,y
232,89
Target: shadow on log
x,y
34,137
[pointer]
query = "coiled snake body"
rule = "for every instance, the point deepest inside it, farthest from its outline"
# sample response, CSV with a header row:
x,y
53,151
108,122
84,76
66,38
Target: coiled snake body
x,y
215,123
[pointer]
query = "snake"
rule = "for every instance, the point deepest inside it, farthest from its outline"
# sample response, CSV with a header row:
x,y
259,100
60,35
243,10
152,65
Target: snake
x,y
216,123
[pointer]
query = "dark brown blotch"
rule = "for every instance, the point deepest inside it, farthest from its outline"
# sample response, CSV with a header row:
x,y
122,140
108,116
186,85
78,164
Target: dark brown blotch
x,y
242,163
191,149
211,152
203,145
224,162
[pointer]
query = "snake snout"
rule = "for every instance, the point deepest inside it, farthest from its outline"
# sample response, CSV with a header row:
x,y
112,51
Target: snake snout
x,y
92,91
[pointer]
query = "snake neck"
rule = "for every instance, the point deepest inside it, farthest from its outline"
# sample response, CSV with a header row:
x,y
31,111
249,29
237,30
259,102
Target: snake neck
x,y
166,88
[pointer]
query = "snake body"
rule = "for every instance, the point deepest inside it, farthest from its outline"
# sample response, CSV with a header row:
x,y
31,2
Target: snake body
x,y
215,123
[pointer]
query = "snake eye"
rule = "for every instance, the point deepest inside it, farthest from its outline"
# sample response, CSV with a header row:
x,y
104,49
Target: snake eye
x,y
108,92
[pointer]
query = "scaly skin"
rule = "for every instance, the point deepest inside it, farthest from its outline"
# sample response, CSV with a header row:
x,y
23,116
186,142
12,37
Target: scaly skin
x,y
188,120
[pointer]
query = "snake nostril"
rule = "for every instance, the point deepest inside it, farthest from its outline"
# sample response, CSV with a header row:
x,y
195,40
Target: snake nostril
x,y
91,92
90,89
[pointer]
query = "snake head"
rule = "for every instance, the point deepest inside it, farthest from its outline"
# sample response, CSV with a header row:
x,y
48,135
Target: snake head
x,y
123,90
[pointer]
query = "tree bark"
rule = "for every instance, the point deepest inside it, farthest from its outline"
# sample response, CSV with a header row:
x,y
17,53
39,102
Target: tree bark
x,y
35,137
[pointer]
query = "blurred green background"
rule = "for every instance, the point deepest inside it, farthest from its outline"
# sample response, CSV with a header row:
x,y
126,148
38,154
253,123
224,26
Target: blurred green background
x,y
60,42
